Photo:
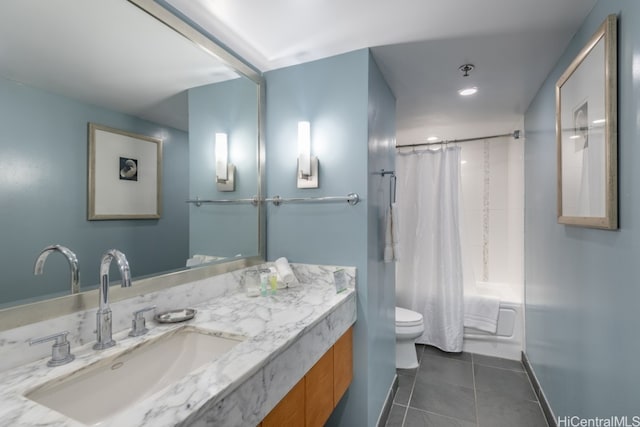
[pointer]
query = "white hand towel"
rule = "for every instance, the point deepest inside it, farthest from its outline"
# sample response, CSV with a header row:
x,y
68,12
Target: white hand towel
x,y
395,231
285,272
388,236
481,312
391,249
198,259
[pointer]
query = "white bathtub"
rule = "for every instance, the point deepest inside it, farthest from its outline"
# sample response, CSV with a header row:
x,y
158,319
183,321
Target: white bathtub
x,y
507,341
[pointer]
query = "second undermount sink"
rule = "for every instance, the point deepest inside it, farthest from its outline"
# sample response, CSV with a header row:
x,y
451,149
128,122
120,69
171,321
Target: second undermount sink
x,y
107,387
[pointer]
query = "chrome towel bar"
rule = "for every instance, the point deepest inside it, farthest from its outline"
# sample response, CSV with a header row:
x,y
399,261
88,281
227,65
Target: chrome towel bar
x,y
351,199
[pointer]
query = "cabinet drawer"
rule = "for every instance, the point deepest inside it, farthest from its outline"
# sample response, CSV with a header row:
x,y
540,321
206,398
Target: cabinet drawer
x,y
290,411
342,365
319,391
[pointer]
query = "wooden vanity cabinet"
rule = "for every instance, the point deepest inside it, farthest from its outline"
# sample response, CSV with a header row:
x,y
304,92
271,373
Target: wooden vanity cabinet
x,y
342,365
314,397
319,391
289,412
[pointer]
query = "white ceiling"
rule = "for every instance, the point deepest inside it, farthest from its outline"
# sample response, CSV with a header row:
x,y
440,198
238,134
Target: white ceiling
x,y
512,43
111,54
105,53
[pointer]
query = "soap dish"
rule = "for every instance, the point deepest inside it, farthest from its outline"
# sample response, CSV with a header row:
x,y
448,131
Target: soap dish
x,y
175,316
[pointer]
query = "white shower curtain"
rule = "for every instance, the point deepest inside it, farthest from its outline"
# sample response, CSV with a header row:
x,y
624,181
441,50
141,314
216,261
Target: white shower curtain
x,y
429,276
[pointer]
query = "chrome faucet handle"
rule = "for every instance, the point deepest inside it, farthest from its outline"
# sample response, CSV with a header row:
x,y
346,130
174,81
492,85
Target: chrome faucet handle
x,y
138,324
60,351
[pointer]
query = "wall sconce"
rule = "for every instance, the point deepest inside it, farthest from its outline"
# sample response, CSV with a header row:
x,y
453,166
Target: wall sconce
x,y
225,171
307,164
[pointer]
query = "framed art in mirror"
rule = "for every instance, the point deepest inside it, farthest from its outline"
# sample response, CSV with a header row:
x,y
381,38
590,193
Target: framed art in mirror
x,y
125,174
586,134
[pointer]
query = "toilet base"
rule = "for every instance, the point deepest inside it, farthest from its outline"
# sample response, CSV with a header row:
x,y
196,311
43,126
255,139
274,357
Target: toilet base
x,y
406,356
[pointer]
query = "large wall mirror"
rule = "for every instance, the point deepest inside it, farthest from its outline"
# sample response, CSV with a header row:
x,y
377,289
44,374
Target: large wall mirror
x,y
135,67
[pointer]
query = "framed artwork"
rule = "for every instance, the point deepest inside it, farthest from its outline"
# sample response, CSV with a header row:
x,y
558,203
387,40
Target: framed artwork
x,y
125,175
586,134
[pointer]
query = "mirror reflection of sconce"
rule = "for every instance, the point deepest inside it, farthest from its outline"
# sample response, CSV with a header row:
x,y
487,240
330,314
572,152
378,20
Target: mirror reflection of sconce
x,y
307,164
225,171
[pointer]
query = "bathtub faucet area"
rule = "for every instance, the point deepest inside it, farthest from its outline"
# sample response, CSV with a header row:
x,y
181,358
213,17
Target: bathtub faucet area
x,y
103,316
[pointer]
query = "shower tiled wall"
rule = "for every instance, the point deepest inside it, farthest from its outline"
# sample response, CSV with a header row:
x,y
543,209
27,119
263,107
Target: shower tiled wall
x,y
493,209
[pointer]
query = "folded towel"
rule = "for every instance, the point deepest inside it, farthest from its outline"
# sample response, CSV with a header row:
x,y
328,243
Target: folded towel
x,y
391,235
202,259
395,231
285,272
388,236
481,312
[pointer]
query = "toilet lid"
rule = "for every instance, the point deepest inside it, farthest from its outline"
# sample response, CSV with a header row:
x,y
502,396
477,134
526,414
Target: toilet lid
x,y
407,317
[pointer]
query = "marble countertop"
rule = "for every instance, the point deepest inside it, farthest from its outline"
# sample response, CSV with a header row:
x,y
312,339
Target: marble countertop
x,y
291,329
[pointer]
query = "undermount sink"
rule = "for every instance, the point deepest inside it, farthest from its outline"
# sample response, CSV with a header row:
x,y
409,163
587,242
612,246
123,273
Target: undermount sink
x,y
107,387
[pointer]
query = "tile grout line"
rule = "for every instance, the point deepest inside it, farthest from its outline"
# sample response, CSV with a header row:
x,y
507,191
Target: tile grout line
x,y
413,384
406,411
503,369
439,415
475,394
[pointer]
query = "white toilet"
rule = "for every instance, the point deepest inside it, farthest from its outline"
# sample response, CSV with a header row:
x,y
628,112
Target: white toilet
x,y
409,326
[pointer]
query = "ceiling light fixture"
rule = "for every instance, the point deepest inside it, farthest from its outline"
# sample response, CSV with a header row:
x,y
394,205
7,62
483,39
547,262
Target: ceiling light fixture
x,y
465,69
433,139
468,91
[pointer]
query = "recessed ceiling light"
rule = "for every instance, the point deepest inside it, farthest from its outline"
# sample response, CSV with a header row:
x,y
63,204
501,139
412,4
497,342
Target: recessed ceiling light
x,y
433,139
574,137
599,121
468,91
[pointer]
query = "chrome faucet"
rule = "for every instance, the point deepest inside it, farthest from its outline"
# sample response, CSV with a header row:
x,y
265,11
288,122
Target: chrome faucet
x,y
38,268
103,322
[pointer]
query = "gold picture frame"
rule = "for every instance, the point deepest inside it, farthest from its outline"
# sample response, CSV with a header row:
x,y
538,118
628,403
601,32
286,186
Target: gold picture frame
x,y
586,134
125,175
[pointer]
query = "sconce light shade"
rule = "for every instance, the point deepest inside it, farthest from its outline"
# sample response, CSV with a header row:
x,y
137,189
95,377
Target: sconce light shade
x,y
225,171
307,164
304,148
222,156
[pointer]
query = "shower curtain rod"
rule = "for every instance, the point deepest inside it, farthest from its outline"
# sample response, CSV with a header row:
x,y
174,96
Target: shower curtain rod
x,y
515,134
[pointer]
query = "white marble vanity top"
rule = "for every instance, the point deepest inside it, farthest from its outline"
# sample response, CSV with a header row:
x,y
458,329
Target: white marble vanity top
x,y
286,333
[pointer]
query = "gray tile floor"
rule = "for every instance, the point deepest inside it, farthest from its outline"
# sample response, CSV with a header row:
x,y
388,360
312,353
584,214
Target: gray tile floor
x,y
464,390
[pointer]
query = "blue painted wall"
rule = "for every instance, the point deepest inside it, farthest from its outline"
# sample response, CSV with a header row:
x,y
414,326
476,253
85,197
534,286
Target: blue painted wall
x,y
229,107
381,276
352,117
582,292
43,194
